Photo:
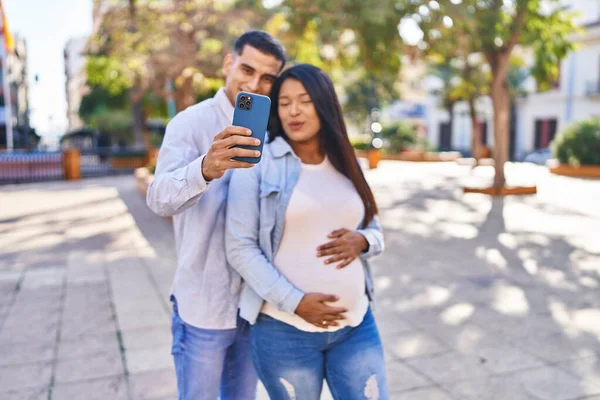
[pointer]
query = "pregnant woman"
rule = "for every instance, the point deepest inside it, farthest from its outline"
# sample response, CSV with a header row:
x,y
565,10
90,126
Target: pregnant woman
x,y
300,227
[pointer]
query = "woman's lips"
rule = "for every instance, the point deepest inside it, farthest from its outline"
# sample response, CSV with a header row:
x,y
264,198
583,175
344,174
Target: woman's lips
x,y
295,125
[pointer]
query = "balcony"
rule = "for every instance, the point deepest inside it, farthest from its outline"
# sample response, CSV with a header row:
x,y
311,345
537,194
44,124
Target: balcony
x,y
592,89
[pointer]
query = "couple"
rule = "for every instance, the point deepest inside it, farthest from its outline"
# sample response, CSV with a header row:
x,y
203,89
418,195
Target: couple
x,y
272,278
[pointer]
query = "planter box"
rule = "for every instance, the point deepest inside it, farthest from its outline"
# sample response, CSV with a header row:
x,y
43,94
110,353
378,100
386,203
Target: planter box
x,y
128,162
582,171
503,191
415,156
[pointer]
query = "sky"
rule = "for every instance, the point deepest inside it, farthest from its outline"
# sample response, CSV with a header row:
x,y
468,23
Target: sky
x,y
47,25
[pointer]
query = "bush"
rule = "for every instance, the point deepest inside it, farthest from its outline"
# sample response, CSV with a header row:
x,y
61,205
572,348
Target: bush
x,y
361,142
401,136
579,144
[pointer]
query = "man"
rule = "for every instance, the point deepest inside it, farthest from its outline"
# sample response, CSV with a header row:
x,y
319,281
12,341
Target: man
x,y
211,345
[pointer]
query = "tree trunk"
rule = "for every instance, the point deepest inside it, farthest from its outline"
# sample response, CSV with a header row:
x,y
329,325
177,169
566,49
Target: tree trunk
x,y
476,131
138,117
501,105
135,94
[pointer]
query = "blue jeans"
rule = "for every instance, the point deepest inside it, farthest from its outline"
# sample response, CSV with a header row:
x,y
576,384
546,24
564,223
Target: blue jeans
x,y
212,362
292,363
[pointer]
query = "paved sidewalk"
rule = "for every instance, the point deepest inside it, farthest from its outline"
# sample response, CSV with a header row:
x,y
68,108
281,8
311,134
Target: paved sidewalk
x,y
477,299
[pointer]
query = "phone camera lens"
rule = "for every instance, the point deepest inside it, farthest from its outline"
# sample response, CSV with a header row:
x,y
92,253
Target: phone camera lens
x,y
242,98
242,106
248,103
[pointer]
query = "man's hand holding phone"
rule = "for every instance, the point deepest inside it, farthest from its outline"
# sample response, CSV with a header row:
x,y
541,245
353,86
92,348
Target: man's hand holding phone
x,y
218,159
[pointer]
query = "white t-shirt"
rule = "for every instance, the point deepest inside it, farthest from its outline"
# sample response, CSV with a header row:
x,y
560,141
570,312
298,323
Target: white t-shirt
x,y
323,200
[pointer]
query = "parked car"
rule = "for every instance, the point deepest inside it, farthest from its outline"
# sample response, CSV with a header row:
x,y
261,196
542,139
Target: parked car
x,y
539,157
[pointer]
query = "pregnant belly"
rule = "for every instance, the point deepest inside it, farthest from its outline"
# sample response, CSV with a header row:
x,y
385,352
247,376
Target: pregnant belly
x,y
312,275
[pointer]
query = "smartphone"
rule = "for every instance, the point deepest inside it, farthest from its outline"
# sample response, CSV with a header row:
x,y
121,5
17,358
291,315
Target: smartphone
x,y
252,112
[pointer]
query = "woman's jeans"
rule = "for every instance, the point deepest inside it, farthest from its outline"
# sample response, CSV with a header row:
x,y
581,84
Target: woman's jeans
x,y
292,363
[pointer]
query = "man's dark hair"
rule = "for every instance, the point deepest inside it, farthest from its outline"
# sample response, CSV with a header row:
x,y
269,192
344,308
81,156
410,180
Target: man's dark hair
x,y
261,41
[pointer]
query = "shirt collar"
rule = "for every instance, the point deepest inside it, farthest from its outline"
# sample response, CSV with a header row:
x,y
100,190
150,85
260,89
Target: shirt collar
x,y
224,104
280,147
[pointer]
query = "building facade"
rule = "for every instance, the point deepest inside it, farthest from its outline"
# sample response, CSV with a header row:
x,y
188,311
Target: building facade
x,y
76,80
537,116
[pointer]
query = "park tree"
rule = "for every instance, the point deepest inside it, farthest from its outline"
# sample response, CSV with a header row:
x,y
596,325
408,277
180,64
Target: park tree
x,y
495,28
172,49
356,42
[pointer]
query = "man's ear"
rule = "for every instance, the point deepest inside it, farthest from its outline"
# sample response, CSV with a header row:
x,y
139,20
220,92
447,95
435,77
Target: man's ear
x,y
227,63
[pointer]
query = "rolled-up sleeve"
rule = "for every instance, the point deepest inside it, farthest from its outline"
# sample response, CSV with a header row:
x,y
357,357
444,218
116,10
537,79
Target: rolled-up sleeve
x,y
242,243
374,235
178,182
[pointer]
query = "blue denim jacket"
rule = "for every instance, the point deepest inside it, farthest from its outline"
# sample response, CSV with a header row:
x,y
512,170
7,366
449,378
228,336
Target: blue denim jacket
x,y
256,207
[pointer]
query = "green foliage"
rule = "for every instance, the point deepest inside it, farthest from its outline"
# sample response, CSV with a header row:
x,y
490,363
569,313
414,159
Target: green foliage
x,y
99,96
400,136
579,144
361,142
116,123
108,73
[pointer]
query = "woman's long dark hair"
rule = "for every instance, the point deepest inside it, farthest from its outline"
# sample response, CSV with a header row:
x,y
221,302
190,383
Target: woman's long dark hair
x,y
334,136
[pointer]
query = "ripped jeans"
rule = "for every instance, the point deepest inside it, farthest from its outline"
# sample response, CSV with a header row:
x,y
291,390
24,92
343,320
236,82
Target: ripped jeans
x,y
292,363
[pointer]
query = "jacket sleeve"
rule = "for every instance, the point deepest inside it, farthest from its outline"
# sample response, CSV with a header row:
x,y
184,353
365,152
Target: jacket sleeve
x,y
374,235
242,243
178,182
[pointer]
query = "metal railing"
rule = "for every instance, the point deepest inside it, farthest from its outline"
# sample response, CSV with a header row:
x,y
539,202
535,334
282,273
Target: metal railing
x,y
106,161
20,166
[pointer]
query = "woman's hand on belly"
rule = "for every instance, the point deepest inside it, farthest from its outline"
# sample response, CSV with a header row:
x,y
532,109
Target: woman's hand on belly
x,y
346,246
312,309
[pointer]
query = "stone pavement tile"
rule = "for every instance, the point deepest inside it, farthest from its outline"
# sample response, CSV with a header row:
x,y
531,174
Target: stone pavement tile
x,y
44,277
431,393
146,337
114,388
466,338
28,394
505,358
553,383
26,318
149,359
559,347
93,274
134,291
75,325
449,367
415,344
87,290
400,377
33,335
515,327
587,368
390,323
88,345
153,385
25,353
97,366
39,295
133,305
143,319
490,388
85,310
17,377
450,315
